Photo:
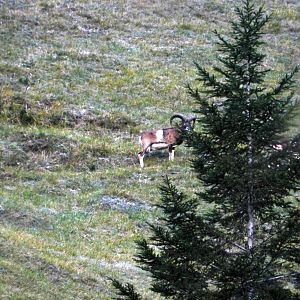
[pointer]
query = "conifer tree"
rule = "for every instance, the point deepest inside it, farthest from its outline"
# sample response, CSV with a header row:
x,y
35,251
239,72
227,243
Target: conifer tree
x,y
247,245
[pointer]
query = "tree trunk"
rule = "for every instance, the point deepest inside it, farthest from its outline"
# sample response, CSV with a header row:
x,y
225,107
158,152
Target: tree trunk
x,y
250,225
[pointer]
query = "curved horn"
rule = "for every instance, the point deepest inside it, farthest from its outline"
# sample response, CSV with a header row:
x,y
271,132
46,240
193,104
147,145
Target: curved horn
x,y
192,121
179,116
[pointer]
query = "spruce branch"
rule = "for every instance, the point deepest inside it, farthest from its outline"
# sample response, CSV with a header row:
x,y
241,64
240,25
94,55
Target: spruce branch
x,y
285,83
280,277
125,291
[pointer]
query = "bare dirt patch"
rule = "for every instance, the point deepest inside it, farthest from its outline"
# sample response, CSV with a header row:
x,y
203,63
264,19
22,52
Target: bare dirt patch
x,y
22,219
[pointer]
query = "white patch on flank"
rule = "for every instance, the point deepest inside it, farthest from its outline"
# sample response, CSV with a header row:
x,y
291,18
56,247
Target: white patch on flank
x,y
160,135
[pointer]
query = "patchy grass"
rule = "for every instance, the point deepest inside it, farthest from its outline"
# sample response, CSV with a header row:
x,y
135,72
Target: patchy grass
x,y
78,81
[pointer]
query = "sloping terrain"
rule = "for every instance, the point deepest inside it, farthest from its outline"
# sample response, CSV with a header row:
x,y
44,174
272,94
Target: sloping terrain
x,y
78,81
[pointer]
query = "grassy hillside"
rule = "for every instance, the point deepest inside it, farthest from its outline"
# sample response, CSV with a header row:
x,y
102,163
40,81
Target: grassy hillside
x,y
78,81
